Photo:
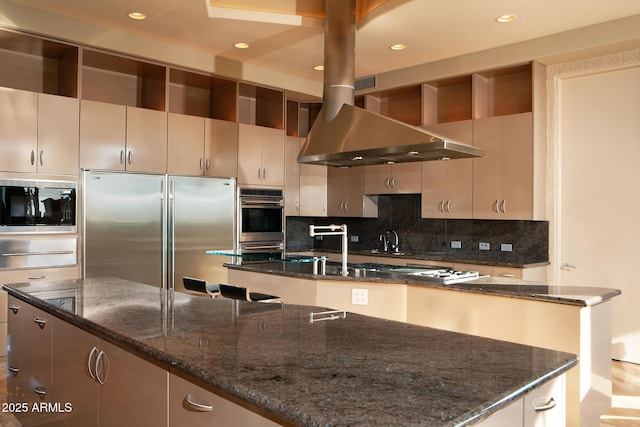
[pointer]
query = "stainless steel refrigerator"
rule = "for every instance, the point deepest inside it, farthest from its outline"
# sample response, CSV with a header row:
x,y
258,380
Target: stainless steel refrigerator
x,y
155,229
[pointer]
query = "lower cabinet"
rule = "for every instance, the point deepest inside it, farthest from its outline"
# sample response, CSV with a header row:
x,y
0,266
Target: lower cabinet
x,y
542,407
105,385
193,406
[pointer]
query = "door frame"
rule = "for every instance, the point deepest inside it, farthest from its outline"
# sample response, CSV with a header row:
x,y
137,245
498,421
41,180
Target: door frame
x,y
555,75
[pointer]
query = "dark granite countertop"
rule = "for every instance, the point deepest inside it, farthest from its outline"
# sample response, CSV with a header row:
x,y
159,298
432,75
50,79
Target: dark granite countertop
x,y
506,287
356,371
445,257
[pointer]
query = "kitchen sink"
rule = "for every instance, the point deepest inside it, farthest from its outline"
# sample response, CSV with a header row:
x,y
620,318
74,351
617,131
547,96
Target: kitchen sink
x,y
374,270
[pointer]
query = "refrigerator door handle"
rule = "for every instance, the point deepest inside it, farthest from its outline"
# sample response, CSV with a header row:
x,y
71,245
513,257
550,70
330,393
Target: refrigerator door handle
x,y
171,235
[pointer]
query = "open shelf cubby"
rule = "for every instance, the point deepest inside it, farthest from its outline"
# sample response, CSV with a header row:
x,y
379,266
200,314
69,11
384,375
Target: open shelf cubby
x,y
202,95
403,104
124,81
503,92
448,100
260,106
38,65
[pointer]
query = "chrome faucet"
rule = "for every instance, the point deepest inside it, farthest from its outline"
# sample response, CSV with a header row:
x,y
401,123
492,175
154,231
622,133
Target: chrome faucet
x,y
334,230
385,242
394,244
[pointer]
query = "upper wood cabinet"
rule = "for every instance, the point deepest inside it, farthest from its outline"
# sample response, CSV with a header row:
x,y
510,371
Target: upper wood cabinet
x,y
291,176
185,145
260,155
305,192
503,178
220,148
447,186
39,132
116,137
345,194
401,178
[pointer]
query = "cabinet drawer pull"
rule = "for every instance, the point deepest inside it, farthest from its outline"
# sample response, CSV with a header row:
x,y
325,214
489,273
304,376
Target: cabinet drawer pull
x,y
14,308
36,277
447,206
90,363
130,157
41,157
392,182
551,403
264,174
122,157
507,275
495,206
14,371
40,391
207,164
503,206
197,406
201,164
102,365
40,322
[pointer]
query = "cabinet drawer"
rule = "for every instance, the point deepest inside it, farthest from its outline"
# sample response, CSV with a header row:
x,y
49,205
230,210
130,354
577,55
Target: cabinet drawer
x,y
545,406
38,274
29,335
191,405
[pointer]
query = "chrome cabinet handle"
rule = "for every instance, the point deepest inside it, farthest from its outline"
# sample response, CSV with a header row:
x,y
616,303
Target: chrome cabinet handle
x,y
495,206
447,208
41,157
503,206
346,206
36,277
33,158
567,266
14,371
551,403
121,157
441,206
14,308
386,182
100,366
264,173
89,363
507,275
393,182
40,322
207,164
40,391
201,407
130,157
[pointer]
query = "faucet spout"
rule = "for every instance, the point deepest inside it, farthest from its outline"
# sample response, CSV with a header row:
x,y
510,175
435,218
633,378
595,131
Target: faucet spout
x,y
385,242
394,243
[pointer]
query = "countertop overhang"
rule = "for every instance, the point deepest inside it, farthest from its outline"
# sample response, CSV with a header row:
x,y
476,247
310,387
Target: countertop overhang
x,y
356,371
583,296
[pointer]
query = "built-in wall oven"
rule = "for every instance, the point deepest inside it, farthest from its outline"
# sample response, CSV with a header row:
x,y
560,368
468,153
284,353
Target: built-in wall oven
x,y
37,206
260,220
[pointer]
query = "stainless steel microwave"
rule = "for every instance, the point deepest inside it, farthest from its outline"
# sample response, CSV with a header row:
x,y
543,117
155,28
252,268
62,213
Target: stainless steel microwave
x,y
37,206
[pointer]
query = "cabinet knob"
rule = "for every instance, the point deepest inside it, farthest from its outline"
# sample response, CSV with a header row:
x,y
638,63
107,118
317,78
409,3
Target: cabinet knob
x,y
201,407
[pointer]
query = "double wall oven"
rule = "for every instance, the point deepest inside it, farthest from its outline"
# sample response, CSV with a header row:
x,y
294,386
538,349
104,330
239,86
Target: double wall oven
x,y
260,220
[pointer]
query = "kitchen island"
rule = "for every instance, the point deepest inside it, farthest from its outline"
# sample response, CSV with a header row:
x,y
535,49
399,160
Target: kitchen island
x,y
566,318
273,362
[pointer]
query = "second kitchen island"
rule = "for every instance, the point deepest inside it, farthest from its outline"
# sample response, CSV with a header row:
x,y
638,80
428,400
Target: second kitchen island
x,y
268,361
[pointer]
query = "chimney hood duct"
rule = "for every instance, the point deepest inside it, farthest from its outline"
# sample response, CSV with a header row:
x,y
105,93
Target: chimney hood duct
x,y
343,135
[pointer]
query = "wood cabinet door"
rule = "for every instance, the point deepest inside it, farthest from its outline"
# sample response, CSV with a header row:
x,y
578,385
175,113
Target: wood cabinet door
x,y
58,136
134,392
102,135
73,384
220,148
313,190
19,135
406,178
146,140
377,178
487,170
459,191
434,189
273,157
291,176
185,146
249,154
517,166
345,192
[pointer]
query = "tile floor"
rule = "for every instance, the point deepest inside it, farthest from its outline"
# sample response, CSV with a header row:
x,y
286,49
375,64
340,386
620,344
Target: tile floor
x,y
625,411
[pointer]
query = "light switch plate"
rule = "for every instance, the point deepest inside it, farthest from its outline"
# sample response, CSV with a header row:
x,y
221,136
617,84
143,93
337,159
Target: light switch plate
x,y
456,244
506,247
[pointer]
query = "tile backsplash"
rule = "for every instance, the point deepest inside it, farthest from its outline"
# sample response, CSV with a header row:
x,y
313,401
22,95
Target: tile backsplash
x,y
529,240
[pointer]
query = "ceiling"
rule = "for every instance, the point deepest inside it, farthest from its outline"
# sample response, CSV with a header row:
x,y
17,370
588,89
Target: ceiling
x,y
431,29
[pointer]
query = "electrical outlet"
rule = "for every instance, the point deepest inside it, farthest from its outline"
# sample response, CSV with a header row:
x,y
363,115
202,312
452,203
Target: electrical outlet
x,y
360,296
355,239
506,247
319,237
456,244
484,246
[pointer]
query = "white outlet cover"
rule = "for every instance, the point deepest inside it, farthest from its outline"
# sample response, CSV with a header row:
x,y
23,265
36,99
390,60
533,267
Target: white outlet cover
x,y
359,296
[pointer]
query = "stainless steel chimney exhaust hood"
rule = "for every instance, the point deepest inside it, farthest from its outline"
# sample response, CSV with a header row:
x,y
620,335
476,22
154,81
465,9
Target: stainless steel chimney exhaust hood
x,y
344,135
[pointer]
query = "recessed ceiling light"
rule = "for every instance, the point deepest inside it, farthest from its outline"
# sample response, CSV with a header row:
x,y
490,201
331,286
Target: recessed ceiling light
x,y
506,18
241,45
398,46
138,16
